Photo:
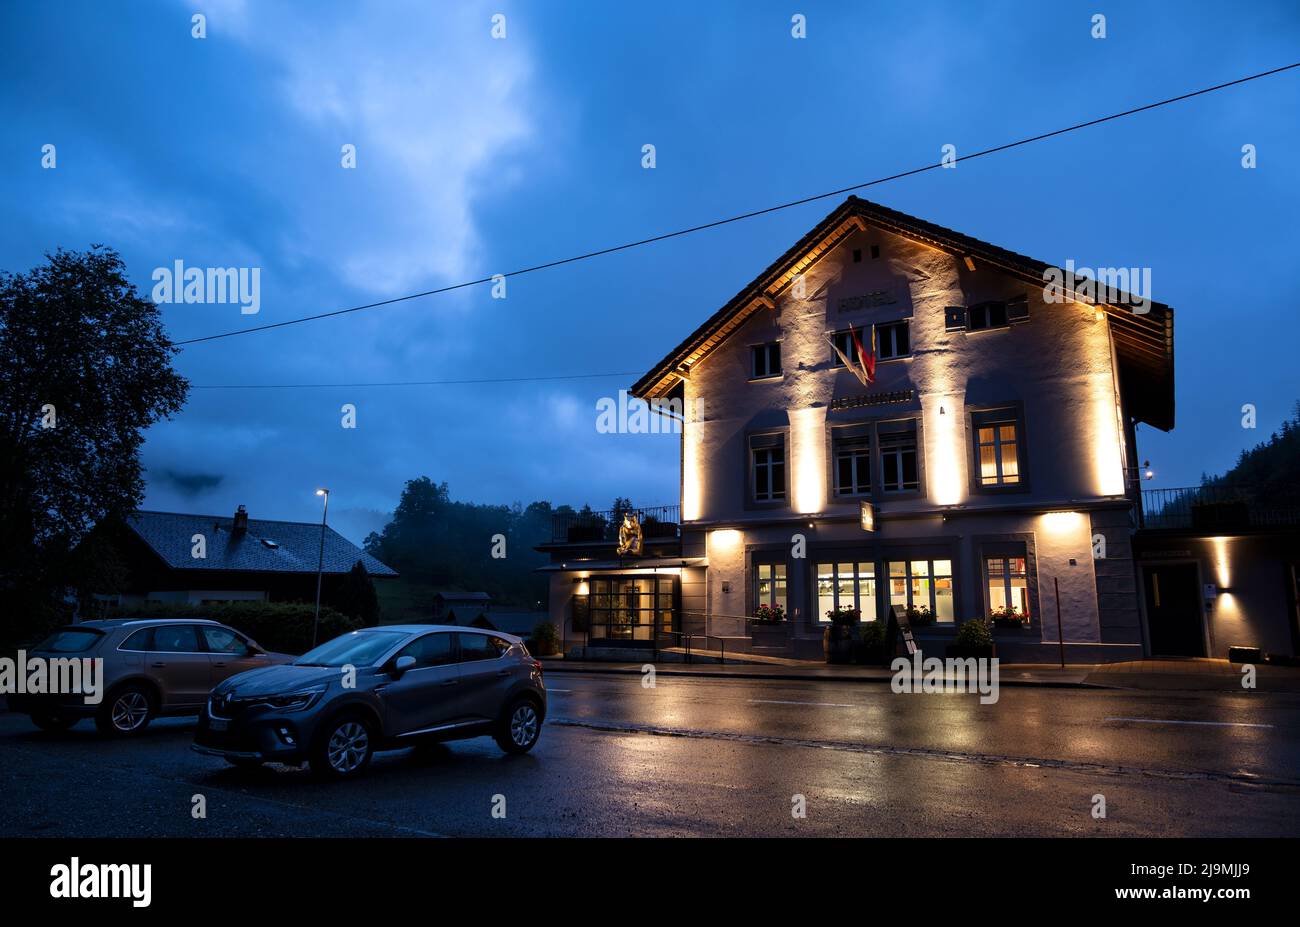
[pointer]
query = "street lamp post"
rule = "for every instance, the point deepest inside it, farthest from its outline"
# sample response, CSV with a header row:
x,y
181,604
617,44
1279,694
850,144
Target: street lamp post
x,y
320,563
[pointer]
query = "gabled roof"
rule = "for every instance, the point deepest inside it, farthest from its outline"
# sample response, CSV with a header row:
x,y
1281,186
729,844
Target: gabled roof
x,y
1144,343
296,545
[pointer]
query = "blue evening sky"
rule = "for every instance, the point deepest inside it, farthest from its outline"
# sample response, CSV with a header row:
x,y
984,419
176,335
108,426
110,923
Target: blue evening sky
x,y
477,155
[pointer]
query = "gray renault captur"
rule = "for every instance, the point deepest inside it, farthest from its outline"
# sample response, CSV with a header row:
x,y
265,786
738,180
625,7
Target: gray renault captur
x,y
378,689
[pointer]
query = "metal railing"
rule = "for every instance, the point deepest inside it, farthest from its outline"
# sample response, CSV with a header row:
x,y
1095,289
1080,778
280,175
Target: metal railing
x,y
687,640
657,522
1213,507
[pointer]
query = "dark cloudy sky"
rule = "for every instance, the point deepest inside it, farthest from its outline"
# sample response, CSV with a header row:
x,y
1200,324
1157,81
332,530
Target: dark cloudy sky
x,y
477,156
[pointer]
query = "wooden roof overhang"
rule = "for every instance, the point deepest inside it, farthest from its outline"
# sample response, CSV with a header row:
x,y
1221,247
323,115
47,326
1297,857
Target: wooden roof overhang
x,y
1144,343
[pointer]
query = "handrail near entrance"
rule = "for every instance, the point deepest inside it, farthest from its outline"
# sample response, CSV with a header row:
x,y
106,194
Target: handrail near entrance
x,y
689,639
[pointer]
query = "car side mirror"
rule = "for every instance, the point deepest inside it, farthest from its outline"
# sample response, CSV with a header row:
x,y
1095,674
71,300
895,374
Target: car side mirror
x,y
402,664
253,651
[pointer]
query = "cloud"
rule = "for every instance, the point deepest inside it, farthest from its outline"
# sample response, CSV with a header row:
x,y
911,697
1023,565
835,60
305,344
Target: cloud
x,y
189,485
433,105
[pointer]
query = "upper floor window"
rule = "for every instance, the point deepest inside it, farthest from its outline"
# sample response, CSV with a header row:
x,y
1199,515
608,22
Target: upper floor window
x,y
997,448
892,340
899,465
987,315
851,446
765,360
767,467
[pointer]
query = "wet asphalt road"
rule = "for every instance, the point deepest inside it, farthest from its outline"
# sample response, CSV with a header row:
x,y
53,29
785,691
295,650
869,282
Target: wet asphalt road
x,y
718,757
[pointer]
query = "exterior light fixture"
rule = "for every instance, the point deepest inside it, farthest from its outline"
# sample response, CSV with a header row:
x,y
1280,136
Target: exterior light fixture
x,y
867,515
1148,473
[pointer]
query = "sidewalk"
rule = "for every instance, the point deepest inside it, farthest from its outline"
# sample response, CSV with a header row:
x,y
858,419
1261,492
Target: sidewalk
x,y
1167,674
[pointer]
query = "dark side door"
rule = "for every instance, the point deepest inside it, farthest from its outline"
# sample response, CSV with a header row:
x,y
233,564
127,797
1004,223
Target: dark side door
x,y
1174,615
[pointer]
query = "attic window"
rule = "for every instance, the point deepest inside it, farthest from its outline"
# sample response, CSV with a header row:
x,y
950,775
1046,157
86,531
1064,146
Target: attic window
x,y
875,251
267,542
857,255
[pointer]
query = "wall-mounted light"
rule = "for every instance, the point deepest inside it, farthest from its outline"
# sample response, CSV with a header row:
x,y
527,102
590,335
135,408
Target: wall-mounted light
x,y
582,587
867,516
1147,472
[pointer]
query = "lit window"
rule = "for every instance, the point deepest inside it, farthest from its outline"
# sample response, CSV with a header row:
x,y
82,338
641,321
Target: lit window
x,y
999,455
1008,587
851,584
770,589
924,588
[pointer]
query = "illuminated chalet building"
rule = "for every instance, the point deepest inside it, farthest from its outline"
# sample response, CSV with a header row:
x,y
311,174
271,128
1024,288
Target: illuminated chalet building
x,y
994,451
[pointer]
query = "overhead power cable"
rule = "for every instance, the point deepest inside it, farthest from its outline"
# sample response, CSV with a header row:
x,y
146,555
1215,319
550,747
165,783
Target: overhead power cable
x,y
747,215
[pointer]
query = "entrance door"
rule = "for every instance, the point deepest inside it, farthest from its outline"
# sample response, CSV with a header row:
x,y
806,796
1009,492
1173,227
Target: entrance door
x,y
1174,615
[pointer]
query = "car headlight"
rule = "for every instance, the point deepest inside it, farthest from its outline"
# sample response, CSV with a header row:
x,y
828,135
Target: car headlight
x,y
296,701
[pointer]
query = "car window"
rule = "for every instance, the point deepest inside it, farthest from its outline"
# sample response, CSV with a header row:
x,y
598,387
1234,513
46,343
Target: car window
x,y
481,647
175,638
141,641
223,640
360,648
70,640
430,650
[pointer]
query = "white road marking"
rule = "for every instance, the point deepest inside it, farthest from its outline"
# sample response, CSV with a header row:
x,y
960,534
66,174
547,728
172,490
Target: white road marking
x,y
1171,721
559,690
777,701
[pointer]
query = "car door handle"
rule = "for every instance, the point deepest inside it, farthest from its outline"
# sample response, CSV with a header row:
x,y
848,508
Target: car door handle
x,y
503,672
218,664
158,664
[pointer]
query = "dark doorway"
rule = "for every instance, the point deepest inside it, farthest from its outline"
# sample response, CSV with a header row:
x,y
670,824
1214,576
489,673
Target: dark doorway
x,y
1174,609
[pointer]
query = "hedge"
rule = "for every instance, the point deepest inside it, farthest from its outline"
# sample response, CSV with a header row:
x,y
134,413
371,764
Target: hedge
x,y
284,627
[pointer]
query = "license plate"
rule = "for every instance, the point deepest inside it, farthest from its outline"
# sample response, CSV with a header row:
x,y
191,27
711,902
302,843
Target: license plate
x,y
216,724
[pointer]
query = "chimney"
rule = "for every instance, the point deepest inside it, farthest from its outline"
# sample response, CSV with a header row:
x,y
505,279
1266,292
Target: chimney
x,y
241,521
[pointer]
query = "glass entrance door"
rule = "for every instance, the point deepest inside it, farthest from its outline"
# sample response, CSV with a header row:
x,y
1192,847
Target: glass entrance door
x,y
630,609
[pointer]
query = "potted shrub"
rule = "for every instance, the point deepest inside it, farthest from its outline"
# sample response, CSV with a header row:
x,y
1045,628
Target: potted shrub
x,y
870,648
974,639
837,640
919,616
769,614
1008,617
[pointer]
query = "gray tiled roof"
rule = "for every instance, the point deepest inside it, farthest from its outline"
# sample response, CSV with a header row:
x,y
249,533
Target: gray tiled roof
x,y
296,550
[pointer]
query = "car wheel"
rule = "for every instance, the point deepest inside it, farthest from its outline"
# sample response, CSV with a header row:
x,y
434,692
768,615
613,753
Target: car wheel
x,y
126,712
49,722
519,727
343,748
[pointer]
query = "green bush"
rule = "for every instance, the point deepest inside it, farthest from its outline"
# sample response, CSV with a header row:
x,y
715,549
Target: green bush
x,y
974,633
873,633
284,627
545,640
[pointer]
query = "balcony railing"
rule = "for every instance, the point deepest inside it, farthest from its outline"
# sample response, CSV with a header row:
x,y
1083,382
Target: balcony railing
x,y
658,522
1215,508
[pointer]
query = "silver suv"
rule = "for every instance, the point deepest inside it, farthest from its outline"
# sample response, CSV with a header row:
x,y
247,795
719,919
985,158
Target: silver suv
x,y
378,689
152,667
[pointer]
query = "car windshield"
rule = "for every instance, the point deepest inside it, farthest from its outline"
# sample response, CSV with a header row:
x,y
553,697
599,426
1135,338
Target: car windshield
x,y
360,648
70,640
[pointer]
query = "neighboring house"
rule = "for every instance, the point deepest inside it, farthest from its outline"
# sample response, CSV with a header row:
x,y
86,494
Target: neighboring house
x,y
242,558
460,607
518,623
993,454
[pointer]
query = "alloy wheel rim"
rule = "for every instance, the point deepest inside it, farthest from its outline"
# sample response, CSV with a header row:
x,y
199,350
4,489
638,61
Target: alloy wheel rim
x,y
347,747
523,725
129,711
